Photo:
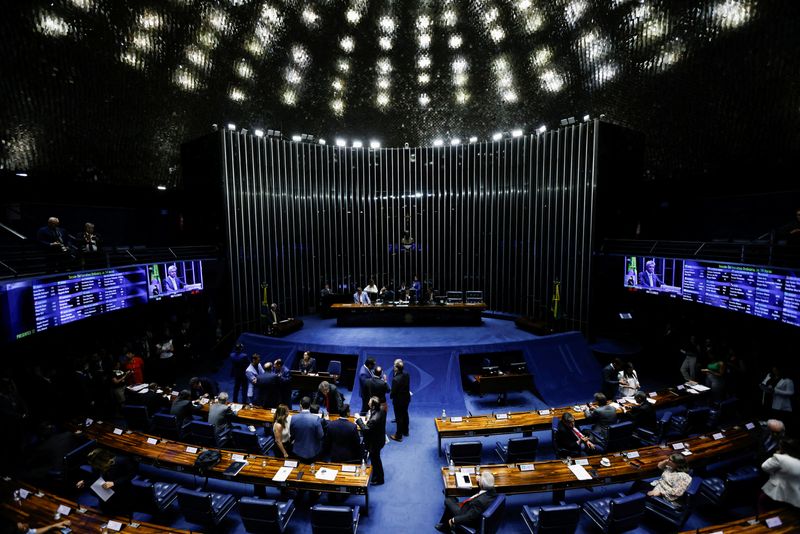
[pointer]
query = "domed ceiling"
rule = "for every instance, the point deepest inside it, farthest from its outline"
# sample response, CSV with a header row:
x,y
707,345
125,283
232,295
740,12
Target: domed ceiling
x,y
107,90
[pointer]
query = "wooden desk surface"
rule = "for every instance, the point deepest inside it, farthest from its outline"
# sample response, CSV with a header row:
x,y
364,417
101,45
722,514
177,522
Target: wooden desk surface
x,y
461,305
260,469
489,425
789,517
556,475
39,511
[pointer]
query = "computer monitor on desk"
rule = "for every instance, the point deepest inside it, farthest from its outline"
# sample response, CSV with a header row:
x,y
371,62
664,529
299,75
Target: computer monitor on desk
x,y
490,370
455,297
518,367
474,297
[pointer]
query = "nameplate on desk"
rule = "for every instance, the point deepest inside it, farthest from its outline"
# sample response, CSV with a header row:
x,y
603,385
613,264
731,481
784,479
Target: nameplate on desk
x,y
749,426
677,446
290,463
348,469
651,401
501,416
544,412
467,470
273,410
159,391
191,450
773,522
456,419
152,441
693,391
686,452
632,454
237,457
118,431
63,510
23,493
681,387
653,394
582,461
116,526
718,435
526,467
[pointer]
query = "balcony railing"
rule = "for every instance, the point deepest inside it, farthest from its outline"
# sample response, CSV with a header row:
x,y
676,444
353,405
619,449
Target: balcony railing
x,y
750,252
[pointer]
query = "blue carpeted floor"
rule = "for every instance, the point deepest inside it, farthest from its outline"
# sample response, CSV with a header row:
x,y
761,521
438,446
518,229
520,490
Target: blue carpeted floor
x,y
411,499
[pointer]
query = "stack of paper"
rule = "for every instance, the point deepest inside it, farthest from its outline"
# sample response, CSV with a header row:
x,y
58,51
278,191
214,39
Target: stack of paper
x,y
323,473
463,480
282,474
579,472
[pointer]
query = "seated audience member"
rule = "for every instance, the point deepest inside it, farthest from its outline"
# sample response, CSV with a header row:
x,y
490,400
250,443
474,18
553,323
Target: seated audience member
x,y
281,431
202,387
117,472
569,440
268,388
386,294
374,431
377,386
628,381
783,485
610,386
152,400
307,433
135,366
220,414
672,484
360,297
468,512
342,439
182,407
307,365
602,416
328,397
643,414
772,433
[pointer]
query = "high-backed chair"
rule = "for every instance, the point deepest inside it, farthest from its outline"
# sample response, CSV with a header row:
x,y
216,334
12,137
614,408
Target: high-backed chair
x,y
675,513
464,452
204,508
518,450
490,518
560,453
694,420
618,437
136,417
250,442
166,425
653,437
552,519
265,515
152,497
70,467
737,487
335,370
206,434
334,519
616,514
724,412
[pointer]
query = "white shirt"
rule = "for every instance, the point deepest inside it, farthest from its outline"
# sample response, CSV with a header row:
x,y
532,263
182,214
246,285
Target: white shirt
x,y
784,478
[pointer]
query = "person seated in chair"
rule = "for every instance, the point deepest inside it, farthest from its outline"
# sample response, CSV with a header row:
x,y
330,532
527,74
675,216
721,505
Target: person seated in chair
x,y
308,364
673,483
569,440
117,472
182,407
602,415
220,414
643,414
202,387
468,512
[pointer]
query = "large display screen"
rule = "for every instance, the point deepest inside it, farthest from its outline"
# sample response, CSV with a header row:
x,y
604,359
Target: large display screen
x,y
766,292
38,304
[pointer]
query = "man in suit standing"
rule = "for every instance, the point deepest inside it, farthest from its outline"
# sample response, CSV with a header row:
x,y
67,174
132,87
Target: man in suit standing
x,y
328,397
268,388
468,513
649,278
374,431
343,440
172,283
602,415
239,363
611,378
401,398
253,371
643,414
364,374
284,382
377,386
361,297
307,433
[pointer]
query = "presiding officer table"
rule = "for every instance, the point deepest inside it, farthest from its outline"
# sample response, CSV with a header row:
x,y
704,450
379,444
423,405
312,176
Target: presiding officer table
x,y
408,314
259,471
557,476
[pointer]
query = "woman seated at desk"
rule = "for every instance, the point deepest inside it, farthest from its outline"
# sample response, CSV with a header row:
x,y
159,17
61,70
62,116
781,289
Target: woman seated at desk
x,y
308,365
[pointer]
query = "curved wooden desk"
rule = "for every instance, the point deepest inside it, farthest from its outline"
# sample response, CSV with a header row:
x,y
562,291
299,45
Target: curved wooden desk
x,y
789,519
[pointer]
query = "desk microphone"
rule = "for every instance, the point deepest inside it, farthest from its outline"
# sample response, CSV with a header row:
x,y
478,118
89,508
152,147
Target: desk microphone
x,y
469,413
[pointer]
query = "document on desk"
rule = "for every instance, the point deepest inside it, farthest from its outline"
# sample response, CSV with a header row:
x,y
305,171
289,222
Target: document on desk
x,y
463,480
700,387
323,473
100,491
235,407
579,472
282,474
116,526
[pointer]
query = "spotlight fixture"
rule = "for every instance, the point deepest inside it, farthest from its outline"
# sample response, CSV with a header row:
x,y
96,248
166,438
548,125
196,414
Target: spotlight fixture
x,y
274,133
307,137
438,142
374,144
259,133
22,174
586,118
340,142
473,139
357,144
568,121
541,129
231,126
296,138
455,141
321,141
161,187
516,133
243,131
497,136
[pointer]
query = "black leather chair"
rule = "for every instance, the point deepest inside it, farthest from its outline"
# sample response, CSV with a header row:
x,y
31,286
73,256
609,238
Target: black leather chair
x,y
251,442
726,411
616,514
204,508
552,519
675,513
518,450
464,452
136,417
618,437
206,434
560,453
152,497
737,487
69,470
334,519
335,370
696,419
265,515
653,437
166,425
490,518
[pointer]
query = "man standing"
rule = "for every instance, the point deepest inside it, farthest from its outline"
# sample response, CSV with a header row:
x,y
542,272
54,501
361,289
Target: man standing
x,y
307,433
611,379
401,398
239,363
252,373
377,386
374,431
343,440
649,278
364,374
268,388
468,513
135,365
284,382
172,283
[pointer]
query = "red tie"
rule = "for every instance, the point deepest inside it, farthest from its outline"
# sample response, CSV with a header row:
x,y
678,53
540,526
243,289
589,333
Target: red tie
x,y
328,403
578,433
461,504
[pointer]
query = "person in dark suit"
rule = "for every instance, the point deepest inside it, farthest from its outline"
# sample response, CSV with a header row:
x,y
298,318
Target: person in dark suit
x,y
152,400
268,388
649,278
307,433
468,513
307,365
54,241
239,363
377,386
643,414
172,283
401,398
602,415
284,382
274,316
364,374
374,431
117,472
328,397
343,439
202,386
569,440
220,415
610,385
182,407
